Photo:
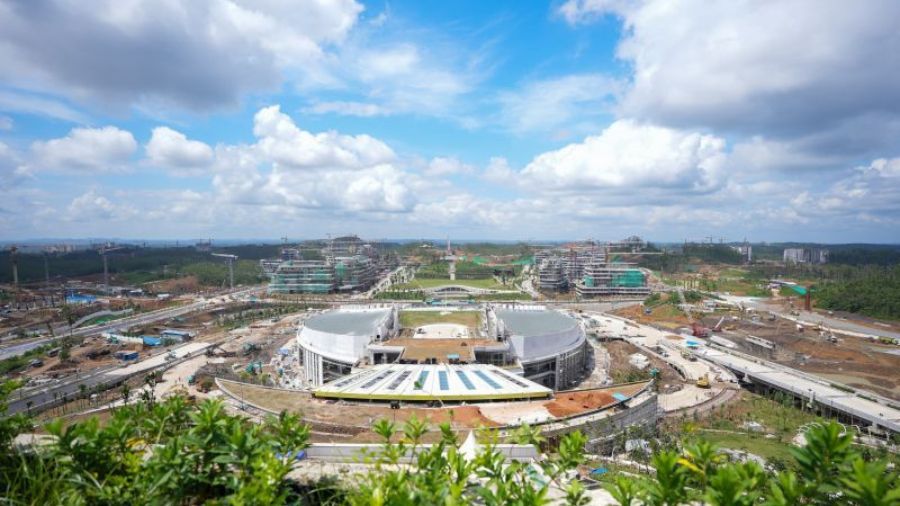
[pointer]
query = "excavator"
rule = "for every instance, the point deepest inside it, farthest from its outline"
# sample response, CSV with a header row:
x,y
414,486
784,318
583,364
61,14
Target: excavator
x,y
703,381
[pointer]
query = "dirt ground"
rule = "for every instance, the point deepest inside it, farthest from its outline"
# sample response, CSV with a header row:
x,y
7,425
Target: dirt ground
x,y
621,370
422,349
662,315
357,417
855,361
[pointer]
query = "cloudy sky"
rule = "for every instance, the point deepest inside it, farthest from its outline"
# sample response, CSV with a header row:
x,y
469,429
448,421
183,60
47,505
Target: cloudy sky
x,y
672,119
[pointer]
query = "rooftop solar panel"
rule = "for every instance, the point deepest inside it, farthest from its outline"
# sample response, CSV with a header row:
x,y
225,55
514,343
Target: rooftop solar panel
x,y
487,379
512,379
420,382
399,379
442,378
465,380
378,378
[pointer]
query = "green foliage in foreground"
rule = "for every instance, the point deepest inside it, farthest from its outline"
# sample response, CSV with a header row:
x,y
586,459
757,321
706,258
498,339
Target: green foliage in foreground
x,y
155,453
828,472
174,452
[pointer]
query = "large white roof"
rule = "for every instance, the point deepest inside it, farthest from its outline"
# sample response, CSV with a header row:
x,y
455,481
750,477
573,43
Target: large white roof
x,y
469,382
363,322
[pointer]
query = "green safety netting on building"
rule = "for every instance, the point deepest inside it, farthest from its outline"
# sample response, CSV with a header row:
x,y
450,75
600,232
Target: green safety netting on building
x,y
630,278
524,261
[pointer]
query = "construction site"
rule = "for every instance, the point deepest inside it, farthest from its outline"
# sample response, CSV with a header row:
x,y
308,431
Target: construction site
x,y
342,264
592,270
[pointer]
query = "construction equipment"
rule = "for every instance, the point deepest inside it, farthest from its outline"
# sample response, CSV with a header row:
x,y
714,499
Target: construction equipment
x,y
230,259
718,326
14,259
698,330
104,250
703,381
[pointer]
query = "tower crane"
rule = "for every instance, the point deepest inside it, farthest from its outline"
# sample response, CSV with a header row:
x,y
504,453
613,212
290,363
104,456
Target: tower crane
x,y
14,259
104,250
230,259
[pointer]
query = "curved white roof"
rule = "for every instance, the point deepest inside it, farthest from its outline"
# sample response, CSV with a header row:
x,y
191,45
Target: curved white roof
x,y
539,334
349,323
343,335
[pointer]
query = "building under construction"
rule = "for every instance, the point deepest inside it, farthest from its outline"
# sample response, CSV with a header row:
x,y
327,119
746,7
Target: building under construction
x,y
601,279
589,269
343,264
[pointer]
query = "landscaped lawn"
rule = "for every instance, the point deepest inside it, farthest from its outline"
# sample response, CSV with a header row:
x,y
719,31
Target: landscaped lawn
x,y
421,283
414,319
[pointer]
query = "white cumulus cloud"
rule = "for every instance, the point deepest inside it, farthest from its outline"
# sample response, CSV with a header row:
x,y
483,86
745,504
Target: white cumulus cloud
x,y
632,155
97,149
172,149
283,142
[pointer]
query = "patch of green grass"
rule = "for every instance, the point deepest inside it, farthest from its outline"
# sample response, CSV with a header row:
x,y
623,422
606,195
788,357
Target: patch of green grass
x,y
503,296
754,443
424,283
413,319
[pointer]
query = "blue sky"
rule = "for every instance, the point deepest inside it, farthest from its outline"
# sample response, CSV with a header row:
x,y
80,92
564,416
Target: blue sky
x,y
479,120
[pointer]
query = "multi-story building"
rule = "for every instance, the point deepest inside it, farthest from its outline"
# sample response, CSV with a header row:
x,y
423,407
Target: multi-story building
x,y
341,264
805,256
552,276
606,279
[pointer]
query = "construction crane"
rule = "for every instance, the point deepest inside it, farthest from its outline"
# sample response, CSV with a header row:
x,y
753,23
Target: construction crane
x,y
104,250
14,259
230,259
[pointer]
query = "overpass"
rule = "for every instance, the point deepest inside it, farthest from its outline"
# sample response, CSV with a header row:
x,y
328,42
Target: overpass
x,y
863,408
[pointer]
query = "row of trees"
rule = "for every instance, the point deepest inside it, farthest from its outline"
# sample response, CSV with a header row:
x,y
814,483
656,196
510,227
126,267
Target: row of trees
x,y
876,293
148,262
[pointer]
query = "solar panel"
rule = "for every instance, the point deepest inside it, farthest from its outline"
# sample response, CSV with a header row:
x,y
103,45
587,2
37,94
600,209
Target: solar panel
x,y
512,379
465,380
442,378
350,379
378,378
399,379
487,379
420,383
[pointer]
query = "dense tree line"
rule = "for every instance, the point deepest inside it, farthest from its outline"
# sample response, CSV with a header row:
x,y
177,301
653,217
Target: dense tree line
x,y
142,264
874,291
712,253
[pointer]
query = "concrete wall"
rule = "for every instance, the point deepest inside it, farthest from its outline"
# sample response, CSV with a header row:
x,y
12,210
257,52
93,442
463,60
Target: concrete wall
x,y
602,432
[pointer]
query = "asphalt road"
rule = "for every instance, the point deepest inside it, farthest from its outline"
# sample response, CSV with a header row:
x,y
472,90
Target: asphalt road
x,y
139,319
70,387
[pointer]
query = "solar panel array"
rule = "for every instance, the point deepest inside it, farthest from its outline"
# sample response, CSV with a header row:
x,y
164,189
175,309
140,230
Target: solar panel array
x,y
377,378
420,383
511,379
465,380
487,379
399,379
451,382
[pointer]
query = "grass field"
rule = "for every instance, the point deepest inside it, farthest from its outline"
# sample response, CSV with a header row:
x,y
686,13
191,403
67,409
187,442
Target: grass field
x,y
414,319
756,444
422,283
724,426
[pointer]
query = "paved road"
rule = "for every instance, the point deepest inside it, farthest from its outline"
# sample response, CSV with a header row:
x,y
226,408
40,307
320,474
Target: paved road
x,y
139,319
813,318
72,386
